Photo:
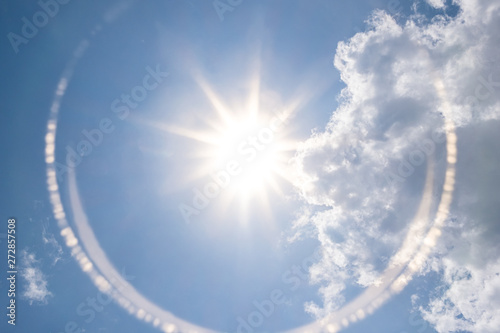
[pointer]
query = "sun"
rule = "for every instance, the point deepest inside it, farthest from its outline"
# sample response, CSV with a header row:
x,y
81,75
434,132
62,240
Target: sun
x,y
241,153
248,149
255,145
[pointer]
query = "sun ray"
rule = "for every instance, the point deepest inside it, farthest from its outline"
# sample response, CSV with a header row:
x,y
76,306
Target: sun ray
x,y
221,109
201,136
254,96
265,203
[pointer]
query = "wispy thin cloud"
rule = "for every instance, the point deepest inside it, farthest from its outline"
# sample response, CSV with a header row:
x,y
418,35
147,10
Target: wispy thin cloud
x,y
55,250
36,289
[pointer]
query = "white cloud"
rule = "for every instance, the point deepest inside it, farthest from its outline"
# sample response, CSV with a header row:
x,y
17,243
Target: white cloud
x,y
471,301
389,107
468,297
36,290
436,3
55,250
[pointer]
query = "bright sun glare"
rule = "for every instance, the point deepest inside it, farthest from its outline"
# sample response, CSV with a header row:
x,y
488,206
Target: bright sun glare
x,y
252,144
250,147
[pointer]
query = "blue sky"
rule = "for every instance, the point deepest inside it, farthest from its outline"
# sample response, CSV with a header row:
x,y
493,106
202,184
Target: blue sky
x,y
252,167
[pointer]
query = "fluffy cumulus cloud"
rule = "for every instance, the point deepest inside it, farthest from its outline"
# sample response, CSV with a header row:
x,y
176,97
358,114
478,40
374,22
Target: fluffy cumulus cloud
x,y
471,301
363,176
36,289
468,257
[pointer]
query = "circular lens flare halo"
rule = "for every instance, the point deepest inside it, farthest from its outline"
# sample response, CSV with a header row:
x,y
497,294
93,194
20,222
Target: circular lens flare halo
x,y
94,262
